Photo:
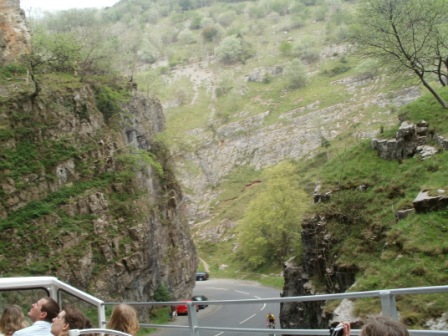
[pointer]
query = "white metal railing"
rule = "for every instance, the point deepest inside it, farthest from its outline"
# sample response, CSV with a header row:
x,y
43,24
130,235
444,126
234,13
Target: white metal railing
x,y
54,289
77,332
387,300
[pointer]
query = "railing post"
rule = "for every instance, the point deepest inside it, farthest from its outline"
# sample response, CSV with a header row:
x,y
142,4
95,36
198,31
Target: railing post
x,y
388,305
192,319
53,292
101,315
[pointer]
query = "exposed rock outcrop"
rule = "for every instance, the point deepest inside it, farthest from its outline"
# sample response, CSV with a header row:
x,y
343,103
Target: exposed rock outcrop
x,y
302,315
409,140
424,202
253,140
318,263
97,200
89,199
14,35
261,75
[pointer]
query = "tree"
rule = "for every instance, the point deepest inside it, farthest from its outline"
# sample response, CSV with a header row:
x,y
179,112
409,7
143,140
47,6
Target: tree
x,y
295,74
410,34
85,46
229,50
209,33
270,229
53,52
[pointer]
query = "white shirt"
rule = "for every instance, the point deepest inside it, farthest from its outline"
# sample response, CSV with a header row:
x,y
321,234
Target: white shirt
x,y
39,328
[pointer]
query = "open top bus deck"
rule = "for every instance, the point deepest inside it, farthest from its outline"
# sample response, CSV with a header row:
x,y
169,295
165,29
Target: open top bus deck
x,y
25,289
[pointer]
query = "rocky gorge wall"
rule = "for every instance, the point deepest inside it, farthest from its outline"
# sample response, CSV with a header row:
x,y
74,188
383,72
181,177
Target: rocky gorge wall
x,y
81,192
252,141
317,264
14,34
86,195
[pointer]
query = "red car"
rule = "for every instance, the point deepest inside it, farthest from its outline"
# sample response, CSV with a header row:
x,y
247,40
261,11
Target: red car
x,y
182,309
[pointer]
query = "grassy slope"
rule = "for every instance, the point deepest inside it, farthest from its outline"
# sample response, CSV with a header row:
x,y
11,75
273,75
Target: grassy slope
x,y
409,253
264,40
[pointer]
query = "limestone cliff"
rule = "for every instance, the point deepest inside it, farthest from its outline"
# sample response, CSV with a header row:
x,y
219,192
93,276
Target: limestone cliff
x,y
14,35
86,194
254,141
317,264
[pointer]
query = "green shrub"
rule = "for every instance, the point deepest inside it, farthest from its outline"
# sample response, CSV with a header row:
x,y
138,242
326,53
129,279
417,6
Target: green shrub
x,y
108,101
285,48
336,70
12,70
162,293
295,74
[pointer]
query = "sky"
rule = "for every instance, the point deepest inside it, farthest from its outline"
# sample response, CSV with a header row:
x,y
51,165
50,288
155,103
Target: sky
x,y
52,5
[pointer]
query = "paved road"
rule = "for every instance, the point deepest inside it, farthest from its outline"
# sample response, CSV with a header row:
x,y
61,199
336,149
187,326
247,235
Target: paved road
x,y
232,316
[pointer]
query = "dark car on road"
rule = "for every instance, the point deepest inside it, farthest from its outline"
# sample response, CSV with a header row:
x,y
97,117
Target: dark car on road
x,y
200,276
200,298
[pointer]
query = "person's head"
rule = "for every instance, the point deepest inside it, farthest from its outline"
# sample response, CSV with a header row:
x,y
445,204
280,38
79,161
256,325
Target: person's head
x,y
12,319
124,318
44,309
69,318
88,324
383,326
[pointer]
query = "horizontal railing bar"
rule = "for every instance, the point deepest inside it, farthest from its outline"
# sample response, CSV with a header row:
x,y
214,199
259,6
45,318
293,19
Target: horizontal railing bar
x,y
165,326
353,332
318,297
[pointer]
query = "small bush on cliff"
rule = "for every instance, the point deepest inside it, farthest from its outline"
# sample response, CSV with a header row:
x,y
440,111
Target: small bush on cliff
x,y
162,293
295,74
12,70
139,160
347,210
108,101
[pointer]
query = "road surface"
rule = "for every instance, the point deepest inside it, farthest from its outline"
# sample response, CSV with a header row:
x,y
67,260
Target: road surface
x,y
231,316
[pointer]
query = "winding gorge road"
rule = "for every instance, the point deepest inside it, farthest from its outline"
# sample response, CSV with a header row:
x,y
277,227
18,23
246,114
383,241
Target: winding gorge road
x,y
232,316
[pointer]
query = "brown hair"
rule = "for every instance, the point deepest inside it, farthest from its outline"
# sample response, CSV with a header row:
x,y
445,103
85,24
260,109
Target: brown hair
x,y
383,326
12,319
74,318
51,307
124,318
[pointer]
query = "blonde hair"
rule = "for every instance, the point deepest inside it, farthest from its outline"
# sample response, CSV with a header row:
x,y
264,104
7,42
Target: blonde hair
x,y
12,320
383,326
124,318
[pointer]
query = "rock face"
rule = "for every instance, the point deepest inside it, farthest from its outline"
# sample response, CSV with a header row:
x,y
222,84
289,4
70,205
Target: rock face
x,y
261,75
252,140
409,140
86,195
317,262
14,35
96,199
301,315
424,202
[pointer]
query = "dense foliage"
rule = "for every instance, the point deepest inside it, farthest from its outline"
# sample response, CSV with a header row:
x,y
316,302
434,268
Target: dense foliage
x,y
269,232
